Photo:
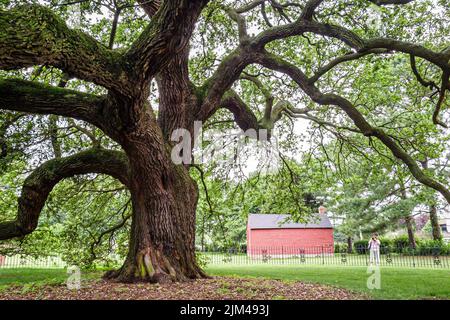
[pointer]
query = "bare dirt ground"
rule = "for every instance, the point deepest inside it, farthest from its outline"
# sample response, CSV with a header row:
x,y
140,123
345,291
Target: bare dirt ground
x,y
218,288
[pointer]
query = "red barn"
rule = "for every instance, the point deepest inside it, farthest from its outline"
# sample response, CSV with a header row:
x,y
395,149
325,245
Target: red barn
x,y
275,235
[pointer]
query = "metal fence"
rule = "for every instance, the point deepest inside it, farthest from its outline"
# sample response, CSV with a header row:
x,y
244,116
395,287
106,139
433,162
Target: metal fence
x,y
18,261
279,255
325,255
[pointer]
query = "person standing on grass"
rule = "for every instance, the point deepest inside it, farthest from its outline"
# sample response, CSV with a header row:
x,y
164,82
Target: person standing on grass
x,y
374,249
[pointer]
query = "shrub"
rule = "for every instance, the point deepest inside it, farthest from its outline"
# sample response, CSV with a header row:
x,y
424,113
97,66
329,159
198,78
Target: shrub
x,y
202,260
337,248
340,247
387,245
401,243
433,247
360,246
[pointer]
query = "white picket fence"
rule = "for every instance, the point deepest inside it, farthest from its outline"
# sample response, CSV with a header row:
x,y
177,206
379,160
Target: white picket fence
x,y
29,262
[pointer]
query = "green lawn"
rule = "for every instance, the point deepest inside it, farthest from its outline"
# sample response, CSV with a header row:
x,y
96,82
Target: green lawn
x,y
396,283
35,277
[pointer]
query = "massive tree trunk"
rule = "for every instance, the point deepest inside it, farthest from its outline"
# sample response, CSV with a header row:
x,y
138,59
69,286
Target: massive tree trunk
x,y
162,246
164,198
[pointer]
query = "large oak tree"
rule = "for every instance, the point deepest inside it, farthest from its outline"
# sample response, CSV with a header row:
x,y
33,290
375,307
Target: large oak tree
x,y
164,196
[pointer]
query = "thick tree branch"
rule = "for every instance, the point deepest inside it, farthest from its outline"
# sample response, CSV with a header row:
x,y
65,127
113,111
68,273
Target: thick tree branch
x,y
250,6
275,63
33,35
442,92
33,97
390,2
302,26
269,98
419,78
222,80
150,6
344,58
233,65
167,34
309,9
41,182
441,59
241,23
350,38
243,115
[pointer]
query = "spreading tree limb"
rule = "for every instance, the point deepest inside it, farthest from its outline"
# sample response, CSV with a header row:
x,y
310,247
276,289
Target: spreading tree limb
x,y
38,185
276,63
33,35
37,98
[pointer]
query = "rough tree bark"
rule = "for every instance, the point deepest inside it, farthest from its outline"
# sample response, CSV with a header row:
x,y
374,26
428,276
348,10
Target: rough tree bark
x,y
349,245
164,199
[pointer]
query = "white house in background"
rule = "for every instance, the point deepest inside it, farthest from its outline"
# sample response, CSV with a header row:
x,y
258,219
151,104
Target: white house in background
x,y
444,223
335,220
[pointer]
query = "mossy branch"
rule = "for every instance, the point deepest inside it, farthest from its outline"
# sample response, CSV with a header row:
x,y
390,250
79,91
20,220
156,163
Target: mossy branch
x,y
33,35
42,180
34,97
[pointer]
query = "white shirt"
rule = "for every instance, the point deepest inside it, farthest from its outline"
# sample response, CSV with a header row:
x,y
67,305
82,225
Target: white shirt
x,y
374,244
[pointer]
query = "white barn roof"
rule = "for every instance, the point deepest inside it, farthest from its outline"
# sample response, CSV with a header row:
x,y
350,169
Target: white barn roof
x,y
281,221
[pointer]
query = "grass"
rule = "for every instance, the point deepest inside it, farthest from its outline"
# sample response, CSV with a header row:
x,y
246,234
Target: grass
x,y
32,277
396,283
